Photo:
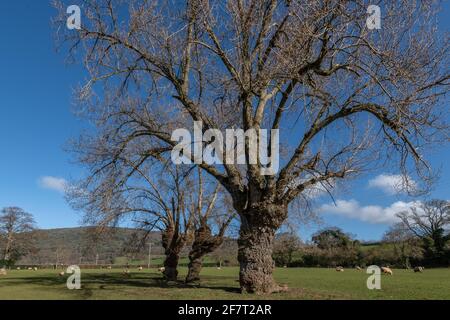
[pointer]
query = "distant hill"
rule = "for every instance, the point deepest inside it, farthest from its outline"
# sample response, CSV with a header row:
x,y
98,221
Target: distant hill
x,y
82,245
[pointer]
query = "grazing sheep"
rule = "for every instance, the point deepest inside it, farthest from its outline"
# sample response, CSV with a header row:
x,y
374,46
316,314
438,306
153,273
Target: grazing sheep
x,y
387,270
3,272
18,268
109,267
30,268
419,269
340,269
162,269
358,268
61,274
140,268
35,268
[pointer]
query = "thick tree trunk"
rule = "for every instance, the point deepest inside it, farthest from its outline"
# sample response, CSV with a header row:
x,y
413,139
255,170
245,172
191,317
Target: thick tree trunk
x,y
204,243
172,243
171,266
258,228
195,266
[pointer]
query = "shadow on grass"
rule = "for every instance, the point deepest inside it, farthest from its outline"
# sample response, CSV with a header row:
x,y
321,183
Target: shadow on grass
x,y
104,281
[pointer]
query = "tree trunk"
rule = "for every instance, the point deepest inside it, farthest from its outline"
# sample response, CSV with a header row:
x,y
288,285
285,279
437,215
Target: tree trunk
x,y
172,242
204,243
195,266
257,233
171,266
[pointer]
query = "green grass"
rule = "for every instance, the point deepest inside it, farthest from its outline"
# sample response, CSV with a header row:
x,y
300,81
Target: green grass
x,y
304,283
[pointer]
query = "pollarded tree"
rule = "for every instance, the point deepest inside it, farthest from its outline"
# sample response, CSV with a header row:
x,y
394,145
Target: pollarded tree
x,y
342,95
151,203
211,219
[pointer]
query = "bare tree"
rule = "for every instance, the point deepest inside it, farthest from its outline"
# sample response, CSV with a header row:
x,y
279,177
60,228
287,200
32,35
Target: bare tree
x,y
429,221
207,215
286,245
345,97
16,227
406,245
150,203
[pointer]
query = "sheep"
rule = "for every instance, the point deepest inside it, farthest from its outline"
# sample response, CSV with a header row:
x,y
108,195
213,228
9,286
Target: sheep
x,y
18,268
162,269
340,269
109,267
35,269
140,268
358,268
61,274
30,268
419,269
3,272
387,270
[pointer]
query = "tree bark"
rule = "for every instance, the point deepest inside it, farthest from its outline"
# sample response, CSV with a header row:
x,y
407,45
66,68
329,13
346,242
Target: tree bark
x,y
171,266
204,243
195,266
257,233
172,242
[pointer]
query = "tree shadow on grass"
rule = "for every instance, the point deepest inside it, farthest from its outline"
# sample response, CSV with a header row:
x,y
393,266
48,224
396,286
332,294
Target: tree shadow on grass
x,y
105,281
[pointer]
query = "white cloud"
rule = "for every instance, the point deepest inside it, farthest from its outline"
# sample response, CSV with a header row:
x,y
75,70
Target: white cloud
x,y
391,184
372,214
54,183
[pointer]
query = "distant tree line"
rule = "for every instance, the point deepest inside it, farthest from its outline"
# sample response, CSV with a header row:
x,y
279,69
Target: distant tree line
x,y
422,237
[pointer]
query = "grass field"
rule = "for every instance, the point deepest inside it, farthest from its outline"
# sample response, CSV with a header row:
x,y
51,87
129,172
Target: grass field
x,y
304,283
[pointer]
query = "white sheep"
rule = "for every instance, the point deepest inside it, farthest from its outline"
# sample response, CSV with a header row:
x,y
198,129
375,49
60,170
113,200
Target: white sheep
x,y
61,274
358,268
35,269
419,269
3,272
162,269
340,269
387,270
140,268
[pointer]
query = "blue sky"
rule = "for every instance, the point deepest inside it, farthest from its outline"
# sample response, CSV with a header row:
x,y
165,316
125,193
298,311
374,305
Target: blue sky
x,y
36,120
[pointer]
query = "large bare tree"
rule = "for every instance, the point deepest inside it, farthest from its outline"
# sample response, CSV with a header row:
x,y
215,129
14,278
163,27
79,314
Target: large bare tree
x,y
343,96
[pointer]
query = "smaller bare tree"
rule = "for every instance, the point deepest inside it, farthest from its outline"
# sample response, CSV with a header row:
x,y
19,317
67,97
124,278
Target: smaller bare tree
x,y
152,202
405,244
206,217
16,226
430,221
286,244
